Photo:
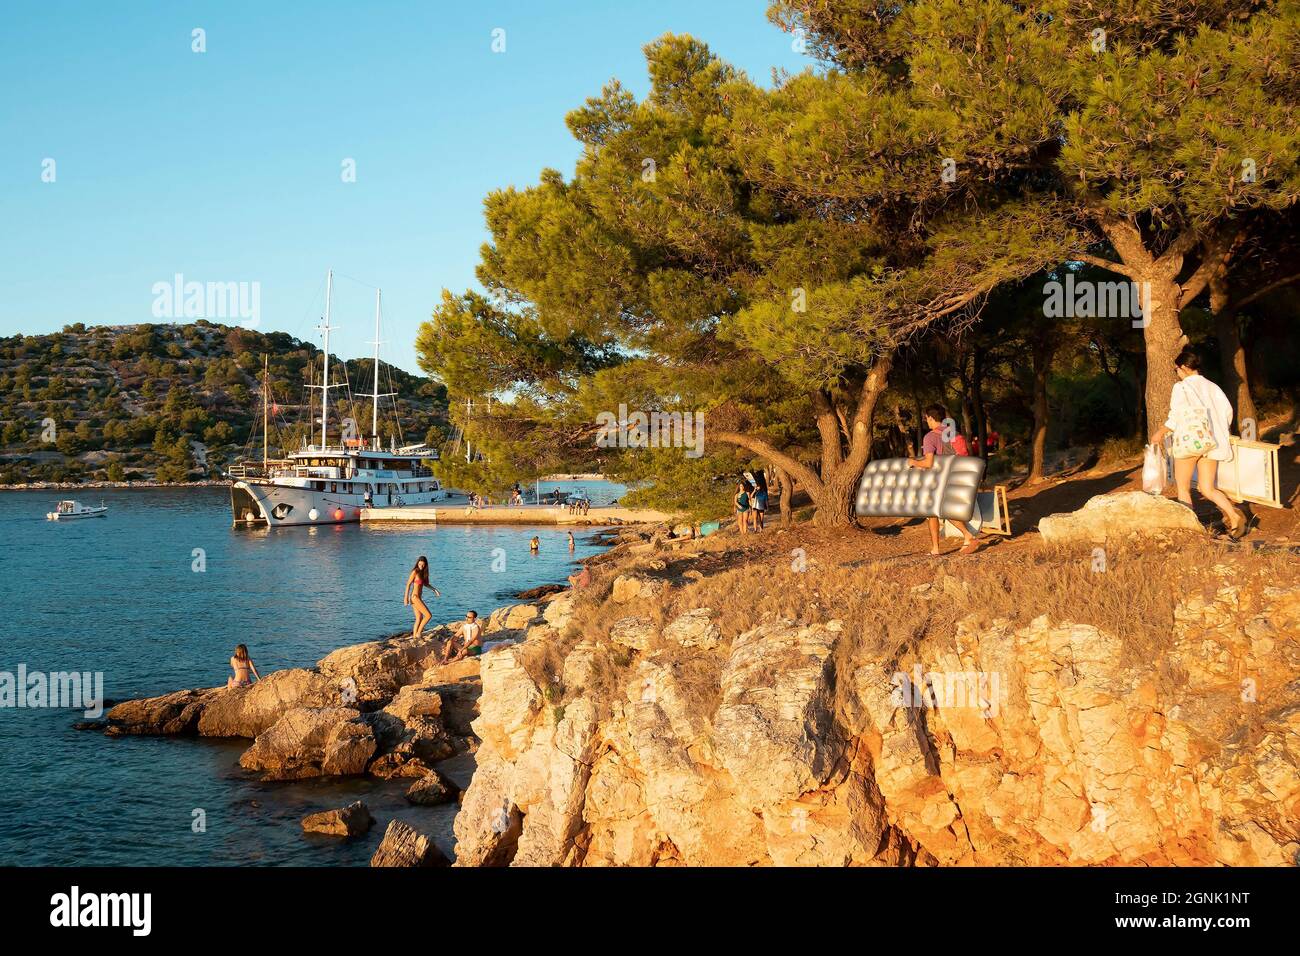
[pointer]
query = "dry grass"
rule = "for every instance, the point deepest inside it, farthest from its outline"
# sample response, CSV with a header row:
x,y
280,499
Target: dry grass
x,y
1119,451
891,603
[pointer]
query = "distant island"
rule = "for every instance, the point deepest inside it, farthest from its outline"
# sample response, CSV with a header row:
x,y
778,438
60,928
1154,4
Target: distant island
x,y
174,403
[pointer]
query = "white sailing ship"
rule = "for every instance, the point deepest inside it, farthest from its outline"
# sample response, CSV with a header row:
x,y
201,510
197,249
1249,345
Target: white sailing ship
x,y
326,483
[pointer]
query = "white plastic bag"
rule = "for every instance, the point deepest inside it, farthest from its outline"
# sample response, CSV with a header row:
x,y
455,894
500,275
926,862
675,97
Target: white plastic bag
x,y
1153,470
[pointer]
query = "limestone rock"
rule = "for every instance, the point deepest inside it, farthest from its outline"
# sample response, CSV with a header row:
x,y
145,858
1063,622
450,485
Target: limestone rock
x,y
514,617
488,825
403,845
175,713
350,821
694,629
439,674
247,711
421,739
312,742
459,702
774,728
633,632
509,702
541,591
398,764
431,790
991,743
559,610
1119,515
415,700
635,587
374,672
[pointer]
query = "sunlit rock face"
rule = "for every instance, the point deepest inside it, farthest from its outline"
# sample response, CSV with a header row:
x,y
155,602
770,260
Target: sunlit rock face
x,y
1041,744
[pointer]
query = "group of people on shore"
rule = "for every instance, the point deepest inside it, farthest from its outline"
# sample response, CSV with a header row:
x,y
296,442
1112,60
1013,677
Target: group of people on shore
x,y
577,504
1198,428
750,503
471,631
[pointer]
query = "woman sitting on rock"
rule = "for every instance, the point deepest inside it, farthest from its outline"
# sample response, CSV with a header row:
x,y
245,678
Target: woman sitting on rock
x,y
242,665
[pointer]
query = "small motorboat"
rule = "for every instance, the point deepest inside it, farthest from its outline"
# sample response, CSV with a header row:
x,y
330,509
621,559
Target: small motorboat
x,y
67,510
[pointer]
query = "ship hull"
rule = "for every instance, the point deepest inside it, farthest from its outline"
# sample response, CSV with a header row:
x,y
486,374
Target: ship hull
x,y
282,506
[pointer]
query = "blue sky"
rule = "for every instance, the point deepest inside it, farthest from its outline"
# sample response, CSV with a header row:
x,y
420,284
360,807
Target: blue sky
x,y
226,166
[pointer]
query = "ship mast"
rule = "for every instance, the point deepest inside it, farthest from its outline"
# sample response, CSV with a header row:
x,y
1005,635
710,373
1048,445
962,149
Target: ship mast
x,y
266,383
375,395
469,408
325,386
374,411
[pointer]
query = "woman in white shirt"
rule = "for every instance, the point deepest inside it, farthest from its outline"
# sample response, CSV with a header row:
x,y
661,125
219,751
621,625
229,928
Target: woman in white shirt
x,y
1194,391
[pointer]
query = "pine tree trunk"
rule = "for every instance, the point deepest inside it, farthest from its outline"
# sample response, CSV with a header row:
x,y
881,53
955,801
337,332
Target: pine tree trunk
x,y
832,491
786,485
1160,297
1043,350
977,399
1140,413
1164,340
835,500
968,420
1232,354
918,427
900,423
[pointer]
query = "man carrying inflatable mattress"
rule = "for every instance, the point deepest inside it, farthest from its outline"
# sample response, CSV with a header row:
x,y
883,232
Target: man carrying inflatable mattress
x,y
941,484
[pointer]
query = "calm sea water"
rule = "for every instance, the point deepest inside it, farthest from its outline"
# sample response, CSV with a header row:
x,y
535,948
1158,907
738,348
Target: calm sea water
x,y
121,595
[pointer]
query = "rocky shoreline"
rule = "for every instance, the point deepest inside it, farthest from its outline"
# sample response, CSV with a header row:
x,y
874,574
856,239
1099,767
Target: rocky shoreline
x,y
385,709
798,743
666,715
97,485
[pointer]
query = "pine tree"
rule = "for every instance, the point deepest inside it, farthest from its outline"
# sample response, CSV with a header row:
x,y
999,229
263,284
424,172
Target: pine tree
x,y
1166,132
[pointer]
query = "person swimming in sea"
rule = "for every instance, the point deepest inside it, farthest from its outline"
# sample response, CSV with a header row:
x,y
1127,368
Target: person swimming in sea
x,y
415,583
242,665
535,545
572,543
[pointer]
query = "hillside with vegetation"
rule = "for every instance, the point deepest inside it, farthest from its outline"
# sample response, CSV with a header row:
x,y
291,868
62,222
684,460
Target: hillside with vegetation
x,y
176,403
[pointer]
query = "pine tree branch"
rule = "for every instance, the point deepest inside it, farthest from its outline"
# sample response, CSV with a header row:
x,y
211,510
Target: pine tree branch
x,y
792,466
1100,263
1259,293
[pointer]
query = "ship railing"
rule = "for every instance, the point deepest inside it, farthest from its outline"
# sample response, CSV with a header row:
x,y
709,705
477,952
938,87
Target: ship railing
x,y
258,469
